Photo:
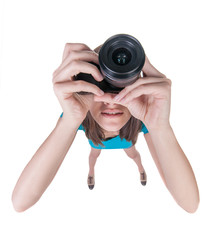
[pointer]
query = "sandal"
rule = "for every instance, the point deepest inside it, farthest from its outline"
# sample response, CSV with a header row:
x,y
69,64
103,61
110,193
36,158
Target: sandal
x,y
91,182
143,178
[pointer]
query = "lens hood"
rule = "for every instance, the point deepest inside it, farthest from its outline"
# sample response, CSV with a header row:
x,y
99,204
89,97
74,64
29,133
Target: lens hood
x,y
121,59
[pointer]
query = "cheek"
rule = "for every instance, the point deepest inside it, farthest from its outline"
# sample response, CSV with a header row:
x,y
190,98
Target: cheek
x,y
95,110
126,118
127,114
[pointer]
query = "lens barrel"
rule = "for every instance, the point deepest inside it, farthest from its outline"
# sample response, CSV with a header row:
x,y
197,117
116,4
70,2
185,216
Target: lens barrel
x,y
121,59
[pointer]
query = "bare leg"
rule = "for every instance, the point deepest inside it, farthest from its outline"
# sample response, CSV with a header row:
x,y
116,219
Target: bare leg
x,y
94,154
134,154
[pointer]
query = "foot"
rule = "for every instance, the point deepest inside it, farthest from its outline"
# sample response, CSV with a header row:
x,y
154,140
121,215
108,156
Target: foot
x,y
143,177
91,181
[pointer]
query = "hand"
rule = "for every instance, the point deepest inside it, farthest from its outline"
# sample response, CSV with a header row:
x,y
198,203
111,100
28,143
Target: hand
x,y
75,60
148,99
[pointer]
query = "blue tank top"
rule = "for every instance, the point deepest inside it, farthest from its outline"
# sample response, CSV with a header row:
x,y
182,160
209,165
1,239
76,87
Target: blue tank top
x,y
115,142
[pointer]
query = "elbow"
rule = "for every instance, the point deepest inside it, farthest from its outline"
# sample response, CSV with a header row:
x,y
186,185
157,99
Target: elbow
x,y
18,208
18,204
192,209
191,206
22,203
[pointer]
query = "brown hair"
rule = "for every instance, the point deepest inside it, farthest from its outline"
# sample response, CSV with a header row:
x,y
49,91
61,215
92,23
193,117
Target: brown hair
x,y
95,133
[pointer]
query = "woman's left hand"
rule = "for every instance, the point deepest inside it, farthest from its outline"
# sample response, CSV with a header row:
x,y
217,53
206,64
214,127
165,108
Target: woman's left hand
x,y
148,99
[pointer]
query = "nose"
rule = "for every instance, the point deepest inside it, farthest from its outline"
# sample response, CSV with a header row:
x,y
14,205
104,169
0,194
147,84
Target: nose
x,y
107,99
109,104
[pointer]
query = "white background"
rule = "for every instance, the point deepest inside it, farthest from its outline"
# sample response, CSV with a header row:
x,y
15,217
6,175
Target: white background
x,y
180,39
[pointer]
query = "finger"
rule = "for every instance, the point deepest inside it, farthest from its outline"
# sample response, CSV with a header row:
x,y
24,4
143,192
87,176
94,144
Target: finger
x,y
74,47
156,89
150,71
107,97
85,55
97,49
139,82
75,67
67,88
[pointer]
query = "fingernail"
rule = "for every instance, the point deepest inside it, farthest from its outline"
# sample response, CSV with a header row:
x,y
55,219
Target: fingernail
x,y
101,77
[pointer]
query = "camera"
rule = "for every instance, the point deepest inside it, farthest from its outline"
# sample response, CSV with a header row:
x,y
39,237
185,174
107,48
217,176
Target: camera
x,y
121,59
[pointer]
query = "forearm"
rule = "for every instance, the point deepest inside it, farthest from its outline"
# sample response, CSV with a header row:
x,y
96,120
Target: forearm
x,y
43,166
177,171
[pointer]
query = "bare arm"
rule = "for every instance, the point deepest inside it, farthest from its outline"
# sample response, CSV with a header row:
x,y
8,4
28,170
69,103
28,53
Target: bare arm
x,y
44,165
154,154
174,167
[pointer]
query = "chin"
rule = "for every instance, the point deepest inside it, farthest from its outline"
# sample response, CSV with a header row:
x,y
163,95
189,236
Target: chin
x,y
111,127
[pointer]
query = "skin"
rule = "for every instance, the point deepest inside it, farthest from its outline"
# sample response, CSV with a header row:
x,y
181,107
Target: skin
x,y
148,99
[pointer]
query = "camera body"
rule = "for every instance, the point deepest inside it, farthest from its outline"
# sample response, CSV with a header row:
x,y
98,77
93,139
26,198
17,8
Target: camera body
x,y
121,59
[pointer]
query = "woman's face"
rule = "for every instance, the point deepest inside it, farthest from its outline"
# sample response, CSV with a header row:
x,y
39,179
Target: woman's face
x,y
110,116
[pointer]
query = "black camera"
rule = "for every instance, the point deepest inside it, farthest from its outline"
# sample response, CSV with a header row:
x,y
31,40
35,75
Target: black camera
x,y
121,59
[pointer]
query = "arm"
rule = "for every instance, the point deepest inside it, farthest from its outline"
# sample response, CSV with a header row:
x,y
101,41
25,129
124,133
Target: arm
x,y
174,167
154,154
44,165
149,100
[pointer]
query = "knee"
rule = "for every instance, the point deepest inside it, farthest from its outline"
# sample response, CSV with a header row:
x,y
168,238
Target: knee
x,y
133,154
94,154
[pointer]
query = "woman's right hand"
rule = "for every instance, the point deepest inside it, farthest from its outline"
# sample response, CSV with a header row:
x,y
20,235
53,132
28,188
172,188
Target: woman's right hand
x,y
75,60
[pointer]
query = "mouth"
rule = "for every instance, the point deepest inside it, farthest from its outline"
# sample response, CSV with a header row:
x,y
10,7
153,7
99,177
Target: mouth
x,y
111,113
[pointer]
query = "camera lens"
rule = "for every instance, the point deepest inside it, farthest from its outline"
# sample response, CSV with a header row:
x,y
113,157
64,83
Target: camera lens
x,y
121,56
121,59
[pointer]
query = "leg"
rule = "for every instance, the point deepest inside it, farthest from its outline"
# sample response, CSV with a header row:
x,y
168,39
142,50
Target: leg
x,y
134,154
94,154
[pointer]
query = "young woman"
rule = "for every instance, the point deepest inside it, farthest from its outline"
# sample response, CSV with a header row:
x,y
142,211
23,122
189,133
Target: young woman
x,y
109,121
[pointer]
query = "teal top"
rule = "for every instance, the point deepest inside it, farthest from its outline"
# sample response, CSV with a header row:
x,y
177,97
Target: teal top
x,y
115,142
